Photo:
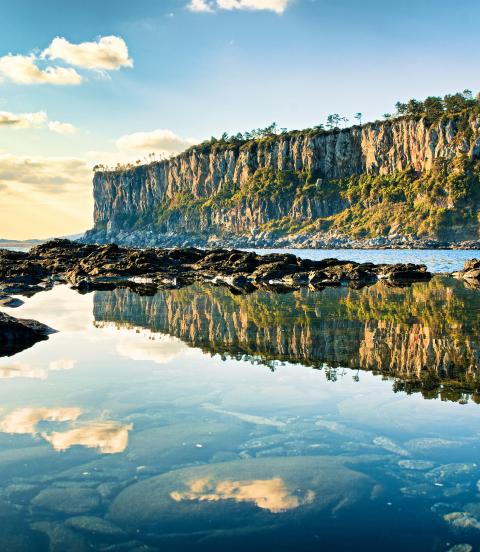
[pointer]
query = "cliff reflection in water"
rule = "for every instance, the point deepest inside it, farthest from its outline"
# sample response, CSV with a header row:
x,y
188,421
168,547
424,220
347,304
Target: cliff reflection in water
x,y
425,336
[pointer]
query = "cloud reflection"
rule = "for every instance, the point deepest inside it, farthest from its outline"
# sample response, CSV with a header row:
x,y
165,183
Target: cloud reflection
x,y
37,371
107,437
267,494
25,420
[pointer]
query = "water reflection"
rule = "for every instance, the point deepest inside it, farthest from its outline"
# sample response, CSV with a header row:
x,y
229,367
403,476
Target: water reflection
x,y
25,420
36,371
144,442
424,336
267,494
108,437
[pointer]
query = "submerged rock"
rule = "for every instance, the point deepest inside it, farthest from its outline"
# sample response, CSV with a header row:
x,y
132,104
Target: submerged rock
x,y
452,473
61,538
94,525
73,500
390,446
415,464
462,520
218,496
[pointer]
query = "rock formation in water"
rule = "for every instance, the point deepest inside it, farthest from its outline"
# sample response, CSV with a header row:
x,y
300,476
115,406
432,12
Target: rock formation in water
x,y
404,179
18,334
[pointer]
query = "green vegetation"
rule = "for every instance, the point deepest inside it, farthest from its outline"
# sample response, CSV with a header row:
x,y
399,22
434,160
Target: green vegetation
x,y
443,203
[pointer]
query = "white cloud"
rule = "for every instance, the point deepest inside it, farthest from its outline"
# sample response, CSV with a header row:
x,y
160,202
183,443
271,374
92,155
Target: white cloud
x,y
108,53
62,128
23,70
22,120
200,6
37,119
45,196
209,6
161,141
53,174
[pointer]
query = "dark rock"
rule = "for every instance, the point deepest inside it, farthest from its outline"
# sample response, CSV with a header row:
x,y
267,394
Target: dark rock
x,y
18,334
104,267
402,272
12,302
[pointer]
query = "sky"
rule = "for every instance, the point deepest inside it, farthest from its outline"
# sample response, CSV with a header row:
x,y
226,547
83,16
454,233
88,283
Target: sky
x,y
111,81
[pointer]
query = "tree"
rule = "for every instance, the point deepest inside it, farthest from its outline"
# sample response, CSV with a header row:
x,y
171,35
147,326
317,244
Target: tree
x,y
415,108
401,108
455,103
434,108
387,116
333,121
358,116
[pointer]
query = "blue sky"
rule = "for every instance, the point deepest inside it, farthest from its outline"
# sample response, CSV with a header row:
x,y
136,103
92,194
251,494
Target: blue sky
x,y
197,74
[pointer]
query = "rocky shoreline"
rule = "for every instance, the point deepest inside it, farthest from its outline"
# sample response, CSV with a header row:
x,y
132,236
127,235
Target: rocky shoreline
x,y
88,267
151,238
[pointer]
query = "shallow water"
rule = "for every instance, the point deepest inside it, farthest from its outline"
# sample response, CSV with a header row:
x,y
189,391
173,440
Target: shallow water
x,y
437,260
197,419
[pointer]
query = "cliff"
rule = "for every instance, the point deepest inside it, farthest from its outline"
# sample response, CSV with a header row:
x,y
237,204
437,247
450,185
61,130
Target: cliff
x,y
394,179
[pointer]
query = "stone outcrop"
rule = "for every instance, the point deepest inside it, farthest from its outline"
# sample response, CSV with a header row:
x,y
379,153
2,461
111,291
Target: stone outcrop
x,y
18,334
129,202
88,267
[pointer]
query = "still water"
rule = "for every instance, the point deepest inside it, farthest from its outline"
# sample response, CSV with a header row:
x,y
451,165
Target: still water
x,y
195,419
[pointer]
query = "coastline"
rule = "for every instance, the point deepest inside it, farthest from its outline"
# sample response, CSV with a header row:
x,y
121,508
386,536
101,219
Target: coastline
x,y
151,238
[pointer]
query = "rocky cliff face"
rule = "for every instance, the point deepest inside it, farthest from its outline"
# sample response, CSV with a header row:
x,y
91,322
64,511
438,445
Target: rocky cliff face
x,y
218,188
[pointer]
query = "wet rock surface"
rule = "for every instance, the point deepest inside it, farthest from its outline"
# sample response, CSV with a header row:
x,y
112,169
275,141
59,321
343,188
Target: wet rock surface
x,y
87,267
470,273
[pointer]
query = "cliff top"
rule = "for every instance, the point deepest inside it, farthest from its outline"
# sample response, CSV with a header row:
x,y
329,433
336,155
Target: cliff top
x,y
433,110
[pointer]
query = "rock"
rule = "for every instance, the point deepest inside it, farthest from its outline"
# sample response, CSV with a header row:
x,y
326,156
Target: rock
x,y
21,492
12,302
461,548
417,465
472,264
18,334
105,267
428,443
462,520
390,446
454,472
61,538
94,525
222,495
67,501
405,272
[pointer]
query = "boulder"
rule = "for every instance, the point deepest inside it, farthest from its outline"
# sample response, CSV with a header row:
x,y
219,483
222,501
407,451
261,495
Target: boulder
x,y
18,334
260,491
